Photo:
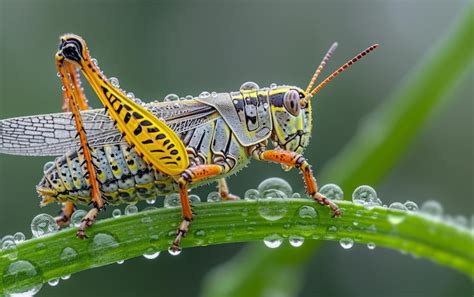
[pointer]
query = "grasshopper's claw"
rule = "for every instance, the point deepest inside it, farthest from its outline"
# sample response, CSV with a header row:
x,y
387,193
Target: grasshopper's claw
x,y
336,211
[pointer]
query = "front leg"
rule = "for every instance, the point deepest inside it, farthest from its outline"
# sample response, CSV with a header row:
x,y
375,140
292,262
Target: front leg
x,y
293,159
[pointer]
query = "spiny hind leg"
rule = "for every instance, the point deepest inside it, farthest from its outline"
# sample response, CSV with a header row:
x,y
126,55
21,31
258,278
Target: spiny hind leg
x,y
190,175
293,159
76,101
66,212
224,190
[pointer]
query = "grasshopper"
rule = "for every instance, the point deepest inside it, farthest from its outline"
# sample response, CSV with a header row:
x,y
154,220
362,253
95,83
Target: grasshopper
x,y
132,150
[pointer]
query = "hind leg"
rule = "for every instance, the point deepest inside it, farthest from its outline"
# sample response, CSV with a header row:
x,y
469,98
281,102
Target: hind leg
x,y
66,212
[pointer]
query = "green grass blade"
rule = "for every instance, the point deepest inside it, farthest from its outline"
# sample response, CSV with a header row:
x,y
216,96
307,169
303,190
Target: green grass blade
x,y
116,239
368,158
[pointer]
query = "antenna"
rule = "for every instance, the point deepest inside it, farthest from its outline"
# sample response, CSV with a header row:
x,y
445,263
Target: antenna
x,y
321,66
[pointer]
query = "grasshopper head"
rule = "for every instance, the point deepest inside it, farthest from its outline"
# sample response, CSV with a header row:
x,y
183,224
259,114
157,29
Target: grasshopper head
x,y
292,120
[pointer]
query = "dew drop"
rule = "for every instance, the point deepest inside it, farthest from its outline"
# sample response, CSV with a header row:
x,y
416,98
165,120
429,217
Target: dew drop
x,y
174,252
66,277
150,201
397,217
411,206
8,247
18,237
20,272
249,86
43,224
273,205
172,200
130,209
47,166
332,192
213,94
204,94
432,208
120,262
213,197
68,255
101,248
95,62
371,245
53,282
77,216
307,212
114,82
273,86
296,195
296,241
275,183
116,213
171,97
346,243
151,254
131,95
251,194
194,199
273,241
366,196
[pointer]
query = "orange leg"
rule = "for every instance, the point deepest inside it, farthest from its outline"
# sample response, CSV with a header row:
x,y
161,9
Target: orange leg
x,y
66,213
293,159
224,190
192,174
76,101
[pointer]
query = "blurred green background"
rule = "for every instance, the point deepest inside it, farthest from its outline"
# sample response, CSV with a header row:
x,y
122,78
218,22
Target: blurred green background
x,y
185,47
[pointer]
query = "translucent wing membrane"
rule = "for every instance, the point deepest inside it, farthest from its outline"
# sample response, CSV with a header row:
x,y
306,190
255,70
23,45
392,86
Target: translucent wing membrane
x,y
54,134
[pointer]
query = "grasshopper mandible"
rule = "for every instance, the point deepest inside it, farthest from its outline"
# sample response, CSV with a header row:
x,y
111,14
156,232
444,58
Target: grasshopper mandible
x,y
134,151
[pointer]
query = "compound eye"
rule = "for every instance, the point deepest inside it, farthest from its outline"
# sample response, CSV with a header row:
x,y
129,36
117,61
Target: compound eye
x,y
291,101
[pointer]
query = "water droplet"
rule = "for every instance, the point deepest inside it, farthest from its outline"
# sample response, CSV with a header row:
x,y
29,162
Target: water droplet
x,y
213,197
296,241
116,213
194,199
151,254
130,209
214,94
432,208
17,274
47,166
77,216
131,95
397,217
273,205
172,200
307,212
365,195
53,282
275,183
68,254
120,262
43,224
251,194
371,245
273,241
189,97
346,243
174,252
273,86
66,277
95,62
461,221
296,195
355,223
114,82
249,86
18,237
101,248
204,94
171,97
411,206
8,247
332,192
151,201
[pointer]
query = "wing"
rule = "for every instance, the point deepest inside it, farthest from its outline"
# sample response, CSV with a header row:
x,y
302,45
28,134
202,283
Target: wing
x,y
54,134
